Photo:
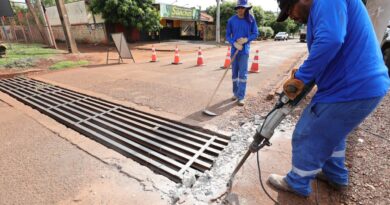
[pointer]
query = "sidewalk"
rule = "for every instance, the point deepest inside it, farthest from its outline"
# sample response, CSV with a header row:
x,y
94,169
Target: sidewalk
x,y
43,162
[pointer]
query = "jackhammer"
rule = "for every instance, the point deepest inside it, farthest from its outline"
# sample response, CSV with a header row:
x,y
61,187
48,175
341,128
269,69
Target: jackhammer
x,y
283,107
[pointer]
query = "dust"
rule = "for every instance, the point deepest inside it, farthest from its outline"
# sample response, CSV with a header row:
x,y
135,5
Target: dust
x,y
211,186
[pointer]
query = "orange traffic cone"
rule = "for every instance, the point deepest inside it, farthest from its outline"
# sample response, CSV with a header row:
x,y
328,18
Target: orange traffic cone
x,y
227,60
200,58
154,55
176,60
255,64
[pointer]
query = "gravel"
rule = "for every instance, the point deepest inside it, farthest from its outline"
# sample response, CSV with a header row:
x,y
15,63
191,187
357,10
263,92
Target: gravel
x,y
368,155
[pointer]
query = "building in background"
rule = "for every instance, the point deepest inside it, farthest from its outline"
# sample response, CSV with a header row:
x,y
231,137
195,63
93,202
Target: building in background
x,y
178,23
85,27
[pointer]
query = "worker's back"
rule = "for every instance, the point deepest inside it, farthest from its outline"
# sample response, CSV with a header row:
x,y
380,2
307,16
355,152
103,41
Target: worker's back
x,y
357,71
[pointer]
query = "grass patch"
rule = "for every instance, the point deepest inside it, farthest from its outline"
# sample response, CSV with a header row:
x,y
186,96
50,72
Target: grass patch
x,y
19,54
68,64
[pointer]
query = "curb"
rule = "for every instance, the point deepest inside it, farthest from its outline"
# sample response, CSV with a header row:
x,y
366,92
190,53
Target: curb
x,y
25,72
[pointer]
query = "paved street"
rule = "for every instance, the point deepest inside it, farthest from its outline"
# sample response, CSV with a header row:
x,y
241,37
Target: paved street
x,y
177,92
173,88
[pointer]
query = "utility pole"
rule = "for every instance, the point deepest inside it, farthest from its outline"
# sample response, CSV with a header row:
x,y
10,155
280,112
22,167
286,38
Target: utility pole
x,y
71,43
218,28
37,21
46,24
5,32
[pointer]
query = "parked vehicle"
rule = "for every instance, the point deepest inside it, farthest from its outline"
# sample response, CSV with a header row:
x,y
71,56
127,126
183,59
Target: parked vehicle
x,y
386,47
380,20
302,33
281,36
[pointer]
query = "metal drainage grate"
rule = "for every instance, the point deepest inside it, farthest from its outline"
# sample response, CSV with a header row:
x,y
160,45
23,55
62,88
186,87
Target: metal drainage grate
x,y
165,146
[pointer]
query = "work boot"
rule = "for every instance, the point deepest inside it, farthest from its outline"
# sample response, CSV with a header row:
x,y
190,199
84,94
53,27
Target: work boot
x,y
234,98
241,102
279,183
339,187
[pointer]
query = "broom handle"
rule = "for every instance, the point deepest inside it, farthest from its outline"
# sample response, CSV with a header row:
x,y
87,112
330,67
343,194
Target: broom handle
x,y
219,84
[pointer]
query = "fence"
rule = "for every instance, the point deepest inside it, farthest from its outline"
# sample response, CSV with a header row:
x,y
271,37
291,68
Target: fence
x,y
20,28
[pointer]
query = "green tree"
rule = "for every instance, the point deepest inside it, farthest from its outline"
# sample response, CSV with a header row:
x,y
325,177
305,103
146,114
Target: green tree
x,y
266,32
279,26
269,18
136,13
227,11
292,27
288,26
259,15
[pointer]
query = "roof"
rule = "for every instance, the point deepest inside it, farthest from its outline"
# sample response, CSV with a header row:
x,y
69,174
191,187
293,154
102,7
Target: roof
x,y
205,17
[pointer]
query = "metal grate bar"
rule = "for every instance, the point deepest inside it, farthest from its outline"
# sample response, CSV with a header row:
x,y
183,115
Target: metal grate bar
x,y
193,159
156,126
104,138
166,147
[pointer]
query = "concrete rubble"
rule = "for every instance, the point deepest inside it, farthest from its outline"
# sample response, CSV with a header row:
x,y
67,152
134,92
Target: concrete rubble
x,y
210,187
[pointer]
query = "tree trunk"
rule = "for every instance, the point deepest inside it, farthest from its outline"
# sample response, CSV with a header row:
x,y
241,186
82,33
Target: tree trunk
x,y
37,21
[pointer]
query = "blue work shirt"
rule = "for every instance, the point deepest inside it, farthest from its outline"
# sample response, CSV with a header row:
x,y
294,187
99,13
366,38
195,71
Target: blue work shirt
x,y
344,60
241,28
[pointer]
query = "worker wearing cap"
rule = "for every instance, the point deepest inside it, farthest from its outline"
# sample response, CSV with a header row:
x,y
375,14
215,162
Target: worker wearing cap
x,y
346,64
241,29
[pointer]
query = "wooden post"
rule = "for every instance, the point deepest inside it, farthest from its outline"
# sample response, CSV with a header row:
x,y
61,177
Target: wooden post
x,y
71,43
37,21
39,6
20,18
29,28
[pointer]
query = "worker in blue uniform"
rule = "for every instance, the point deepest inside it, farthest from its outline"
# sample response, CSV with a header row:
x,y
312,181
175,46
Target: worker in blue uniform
x,y
346,64
241,29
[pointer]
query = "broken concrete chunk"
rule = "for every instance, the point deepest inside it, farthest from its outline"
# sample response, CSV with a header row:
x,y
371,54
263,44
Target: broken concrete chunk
x,y
188,179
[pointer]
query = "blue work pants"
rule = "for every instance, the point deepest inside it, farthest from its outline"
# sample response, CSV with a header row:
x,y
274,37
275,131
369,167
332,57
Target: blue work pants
x,y
319,140
240,75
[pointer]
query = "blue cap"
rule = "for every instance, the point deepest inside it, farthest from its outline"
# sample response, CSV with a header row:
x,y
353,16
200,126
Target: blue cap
x,y
243,3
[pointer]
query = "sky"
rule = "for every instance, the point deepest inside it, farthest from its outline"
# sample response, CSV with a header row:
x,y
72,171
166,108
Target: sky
x,y
268,5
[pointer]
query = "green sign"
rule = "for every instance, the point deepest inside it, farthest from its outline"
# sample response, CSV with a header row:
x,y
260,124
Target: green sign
x,y
176,12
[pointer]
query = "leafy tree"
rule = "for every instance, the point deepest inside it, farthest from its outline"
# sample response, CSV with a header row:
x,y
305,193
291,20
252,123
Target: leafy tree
x,y
266,32
137,13
292,27
269,18
227,11
288,26
263,19
259,15
17,8
279,26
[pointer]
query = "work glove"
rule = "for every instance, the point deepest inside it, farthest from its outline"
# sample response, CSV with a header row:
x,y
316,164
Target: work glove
x,y
293,87
242,41
238,46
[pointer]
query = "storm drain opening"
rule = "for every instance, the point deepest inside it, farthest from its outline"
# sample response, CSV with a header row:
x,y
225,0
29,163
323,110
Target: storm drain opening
x,y
167,147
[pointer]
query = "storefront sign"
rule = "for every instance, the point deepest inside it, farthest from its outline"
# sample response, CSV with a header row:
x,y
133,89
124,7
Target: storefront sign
x,y
175,12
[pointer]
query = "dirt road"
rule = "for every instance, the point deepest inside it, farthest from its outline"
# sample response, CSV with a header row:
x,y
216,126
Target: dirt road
x,y
43,162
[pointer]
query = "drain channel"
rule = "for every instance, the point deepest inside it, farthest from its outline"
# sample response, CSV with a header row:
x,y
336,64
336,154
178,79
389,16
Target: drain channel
x,y
167,147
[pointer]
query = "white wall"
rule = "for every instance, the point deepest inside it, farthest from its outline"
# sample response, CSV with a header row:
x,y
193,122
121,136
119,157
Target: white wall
x,y
77,13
